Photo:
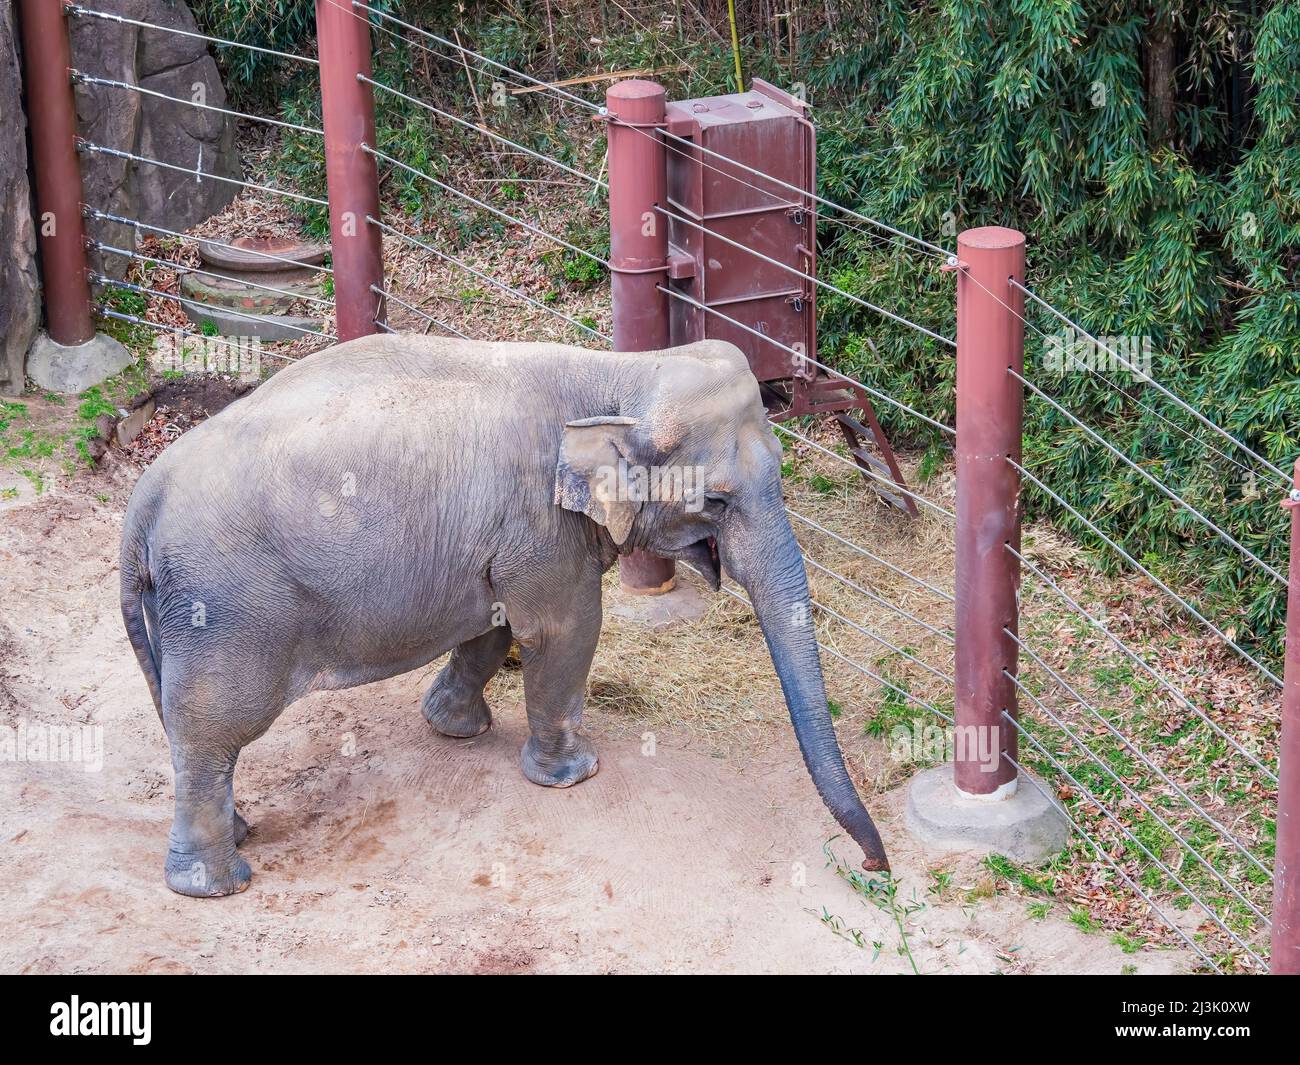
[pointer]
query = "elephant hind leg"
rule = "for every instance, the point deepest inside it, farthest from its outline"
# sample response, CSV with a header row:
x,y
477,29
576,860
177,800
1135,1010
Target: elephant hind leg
x,y
209,719
454,704
201,856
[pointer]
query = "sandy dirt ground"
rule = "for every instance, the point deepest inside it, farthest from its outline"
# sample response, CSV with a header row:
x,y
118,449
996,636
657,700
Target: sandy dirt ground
x,y
379,846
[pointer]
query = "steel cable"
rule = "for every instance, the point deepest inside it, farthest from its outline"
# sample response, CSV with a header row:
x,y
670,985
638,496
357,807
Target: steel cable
x,y
1183,404
1148,574
1138,660
1105,855
1124,829
1138,753
1133,794
199,175
412,241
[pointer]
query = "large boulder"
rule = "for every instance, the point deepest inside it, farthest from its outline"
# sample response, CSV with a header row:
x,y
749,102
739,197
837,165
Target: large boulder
x,y
20,308
199,141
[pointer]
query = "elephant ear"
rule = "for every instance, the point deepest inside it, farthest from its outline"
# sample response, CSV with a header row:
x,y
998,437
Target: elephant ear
x,y
587,475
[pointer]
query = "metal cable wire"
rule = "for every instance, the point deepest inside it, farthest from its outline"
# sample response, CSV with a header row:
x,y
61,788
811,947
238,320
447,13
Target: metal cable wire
x,y
903,241
101,279
1286,477
1138,753
573,98
406,238
780,427
691,146
484,131
74,9
182,268
462,59
1111,383
1124,829
1149,575
135,223
1105,855
903,692
946,678
604,185
1102,377
1160,485
357,4
87,146
486,206
875,558
131,319
1115,451
877,598
1133,794
884,397
90,79
804,276
1151,410
1140,661
416,310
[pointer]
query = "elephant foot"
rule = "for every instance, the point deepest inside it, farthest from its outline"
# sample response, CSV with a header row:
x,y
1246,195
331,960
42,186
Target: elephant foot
x,y
205,875
559,767
241,830
456,715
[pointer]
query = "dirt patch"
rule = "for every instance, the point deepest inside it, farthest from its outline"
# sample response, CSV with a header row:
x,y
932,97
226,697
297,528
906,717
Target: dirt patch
x,y
181,404
201,395
380,846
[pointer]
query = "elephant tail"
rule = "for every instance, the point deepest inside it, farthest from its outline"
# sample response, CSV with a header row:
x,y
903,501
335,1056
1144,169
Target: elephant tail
x,y
137,603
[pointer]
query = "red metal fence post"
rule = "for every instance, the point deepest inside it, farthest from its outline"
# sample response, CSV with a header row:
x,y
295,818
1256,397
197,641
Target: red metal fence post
x,y
1285,957
638,258
990,401
52,111
348,110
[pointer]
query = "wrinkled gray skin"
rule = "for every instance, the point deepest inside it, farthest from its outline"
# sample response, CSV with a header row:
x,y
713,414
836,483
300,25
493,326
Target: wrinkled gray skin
x,y
394,498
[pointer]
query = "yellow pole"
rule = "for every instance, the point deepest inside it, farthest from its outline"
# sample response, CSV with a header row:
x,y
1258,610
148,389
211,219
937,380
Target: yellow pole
x,y
735,45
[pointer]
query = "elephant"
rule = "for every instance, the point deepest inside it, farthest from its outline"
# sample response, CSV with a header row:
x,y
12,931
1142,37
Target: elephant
x,y
396,497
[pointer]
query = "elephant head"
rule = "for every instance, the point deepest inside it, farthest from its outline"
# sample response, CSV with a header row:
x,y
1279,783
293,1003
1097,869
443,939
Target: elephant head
x,y
687,467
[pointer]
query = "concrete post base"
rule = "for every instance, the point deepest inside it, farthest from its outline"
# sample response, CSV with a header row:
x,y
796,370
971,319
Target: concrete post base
x,y
1025,826
71,369
684,602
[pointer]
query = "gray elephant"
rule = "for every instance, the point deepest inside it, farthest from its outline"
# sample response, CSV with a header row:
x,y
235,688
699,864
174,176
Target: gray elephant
x,y
390,499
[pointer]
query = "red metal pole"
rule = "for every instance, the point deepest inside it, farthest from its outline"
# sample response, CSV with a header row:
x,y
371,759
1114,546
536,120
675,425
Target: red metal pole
x,y
638,258
348,108
990,338
52,114
1285,958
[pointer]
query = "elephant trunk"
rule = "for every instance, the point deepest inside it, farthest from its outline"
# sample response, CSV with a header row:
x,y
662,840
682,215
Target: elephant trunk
x,y
778,588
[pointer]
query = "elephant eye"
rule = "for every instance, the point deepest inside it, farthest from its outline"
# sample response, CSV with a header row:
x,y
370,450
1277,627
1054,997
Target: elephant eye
x,y
716,500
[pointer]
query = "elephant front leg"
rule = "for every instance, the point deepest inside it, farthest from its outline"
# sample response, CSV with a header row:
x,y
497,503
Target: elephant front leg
x,y
555,680
454,704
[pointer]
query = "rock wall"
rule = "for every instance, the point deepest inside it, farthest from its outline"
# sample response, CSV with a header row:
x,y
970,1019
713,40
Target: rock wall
x,y
202,142
20,309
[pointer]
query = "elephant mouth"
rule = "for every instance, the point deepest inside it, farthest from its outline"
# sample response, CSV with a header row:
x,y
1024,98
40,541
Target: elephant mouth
x,y
703,555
